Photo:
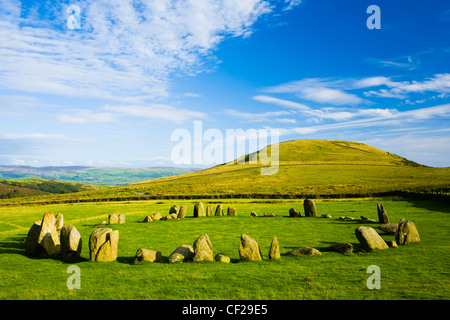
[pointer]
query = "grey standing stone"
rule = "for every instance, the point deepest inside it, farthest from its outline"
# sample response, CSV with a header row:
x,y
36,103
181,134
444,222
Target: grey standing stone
x,y
71,243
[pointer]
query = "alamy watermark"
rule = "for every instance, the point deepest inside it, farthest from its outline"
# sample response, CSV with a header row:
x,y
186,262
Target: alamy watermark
x,y
374,281
74,281
74,19
374,20
212,147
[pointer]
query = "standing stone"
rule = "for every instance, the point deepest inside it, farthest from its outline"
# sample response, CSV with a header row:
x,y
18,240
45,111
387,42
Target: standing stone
x,y
203,249
156,216
220,257
310,208
48,237
182,212
199,210
269,214
148,219
407,232
113,218
339,247
294,212
389,227
274,251
181,254
71,243
174,209
59,222
209,211
303,251
146,255
122,217
370,239
253,214
382,215
219,210
103,245
232,211
32,247
249,248
326,216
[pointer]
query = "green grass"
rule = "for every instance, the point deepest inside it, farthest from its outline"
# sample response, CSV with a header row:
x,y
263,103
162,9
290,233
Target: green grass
x,y
417,271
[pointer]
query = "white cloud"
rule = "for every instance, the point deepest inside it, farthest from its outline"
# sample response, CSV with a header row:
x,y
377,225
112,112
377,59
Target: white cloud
x,y
281,102
157,111
86,116
258,117
126,51
325,91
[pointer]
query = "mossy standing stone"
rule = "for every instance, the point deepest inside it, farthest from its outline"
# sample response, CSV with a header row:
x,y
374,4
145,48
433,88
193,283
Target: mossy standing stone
x,y
219,210
407,233
199,210
182,254
249,248
203,249
294,213
32,247
147,255
48,236
382,215
182,212
370,239
274,251
71,243
232,211
209,211
310,208
103,245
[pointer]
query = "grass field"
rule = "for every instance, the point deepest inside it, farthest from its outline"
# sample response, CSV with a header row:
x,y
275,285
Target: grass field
x,y
416,271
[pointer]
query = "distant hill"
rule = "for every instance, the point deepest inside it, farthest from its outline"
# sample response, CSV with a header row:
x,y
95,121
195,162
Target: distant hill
x,y
106,176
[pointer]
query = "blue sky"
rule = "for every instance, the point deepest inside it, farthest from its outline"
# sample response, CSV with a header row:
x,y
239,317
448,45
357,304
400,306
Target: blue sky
x,y
112,92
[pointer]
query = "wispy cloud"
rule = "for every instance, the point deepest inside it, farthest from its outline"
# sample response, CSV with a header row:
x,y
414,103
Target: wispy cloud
x,y
126,51
87,116
157,111
323,91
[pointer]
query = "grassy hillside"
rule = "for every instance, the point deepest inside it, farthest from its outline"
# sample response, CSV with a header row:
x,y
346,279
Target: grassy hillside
x,y
309,167
306,168
35,187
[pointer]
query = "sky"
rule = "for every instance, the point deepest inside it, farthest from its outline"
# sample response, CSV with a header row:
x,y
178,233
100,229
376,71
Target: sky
x,y
111,82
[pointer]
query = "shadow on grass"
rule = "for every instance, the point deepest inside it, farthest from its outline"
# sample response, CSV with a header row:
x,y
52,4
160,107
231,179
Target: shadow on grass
x,y
14,244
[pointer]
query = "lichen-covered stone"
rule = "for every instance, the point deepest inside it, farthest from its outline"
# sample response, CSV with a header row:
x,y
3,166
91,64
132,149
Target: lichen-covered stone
x,y
71,243
274,251
303,251
310,208
103,245
407,232
249,248
199,210
182,254
370,239
48,236
203,249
